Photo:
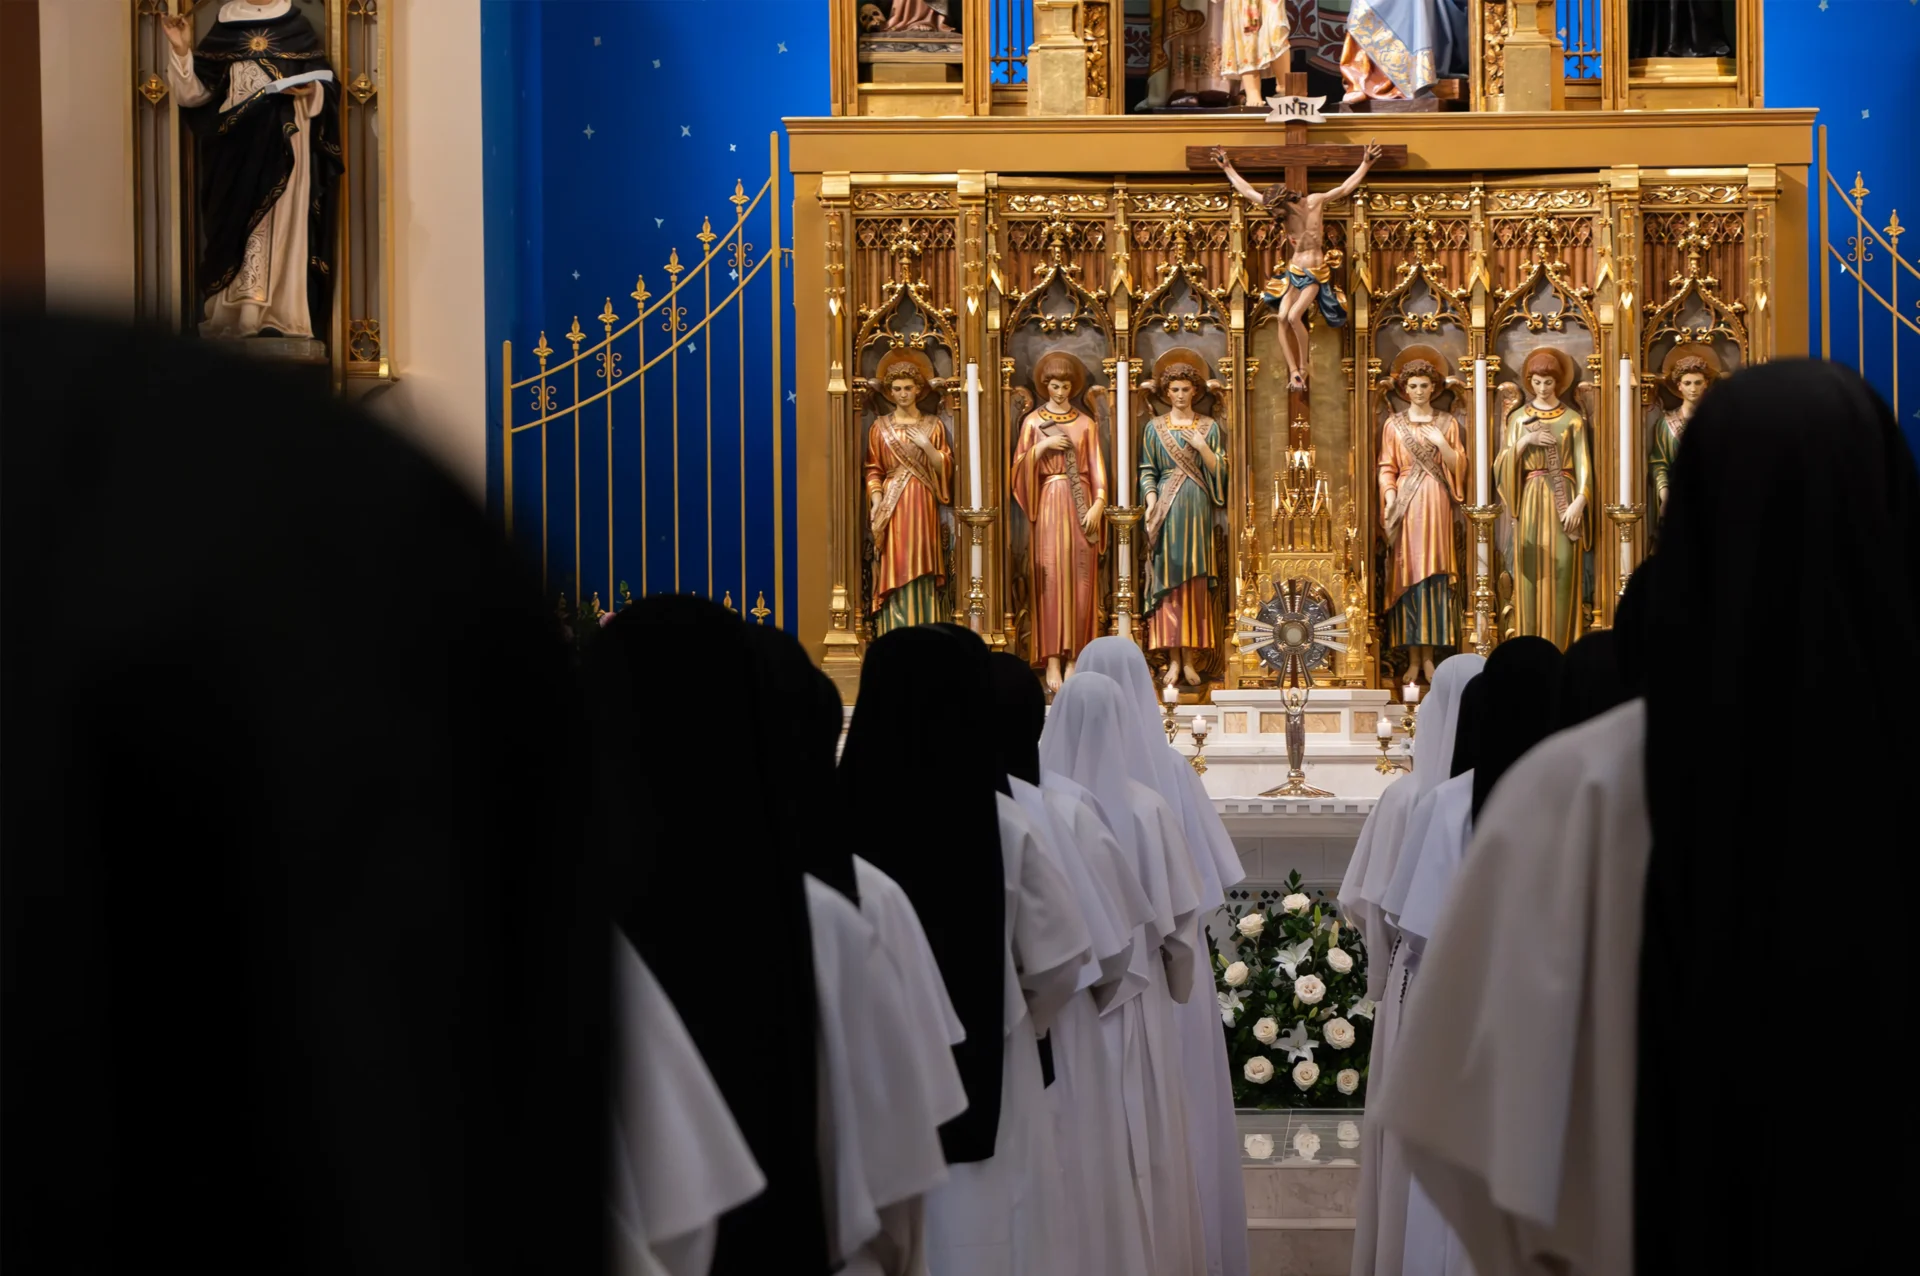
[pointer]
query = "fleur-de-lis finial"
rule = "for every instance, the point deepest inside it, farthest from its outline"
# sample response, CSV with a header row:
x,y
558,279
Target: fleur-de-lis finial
x,y
607,317
738,199
640,293
673,266
1894,230
706,235
576,336
759,610
543,350
727,600
1859,191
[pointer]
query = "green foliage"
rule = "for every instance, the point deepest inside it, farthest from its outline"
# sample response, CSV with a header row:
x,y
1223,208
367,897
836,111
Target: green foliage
x,y
1306,937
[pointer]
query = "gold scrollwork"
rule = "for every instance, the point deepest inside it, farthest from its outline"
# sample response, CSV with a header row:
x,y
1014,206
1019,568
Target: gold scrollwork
x,y
1708,194
877,323
868,200
1724,318
1497,25
1449,303
1058,202
1421,202
1096,36
1543,266
1528,201
1084,305
1210,303
1173,202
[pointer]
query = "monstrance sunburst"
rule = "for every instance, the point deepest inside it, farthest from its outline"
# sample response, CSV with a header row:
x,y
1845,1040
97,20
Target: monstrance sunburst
x,y
1293,633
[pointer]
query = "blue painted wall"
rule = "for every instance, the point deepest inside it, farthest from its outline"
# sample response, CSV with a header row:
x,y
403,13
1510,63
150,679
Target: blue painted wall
x,y
1858,61
681,95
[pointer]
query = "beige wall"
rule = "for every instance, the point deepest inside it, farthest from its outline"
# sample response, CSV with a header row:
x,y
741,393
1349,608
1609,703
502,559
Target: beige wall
x,y
439,330
86,112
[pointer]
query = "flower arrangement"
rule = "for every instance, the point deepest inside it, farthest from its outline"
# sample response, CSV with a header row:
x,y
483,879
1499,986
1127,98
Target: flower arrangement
x,y
1292,995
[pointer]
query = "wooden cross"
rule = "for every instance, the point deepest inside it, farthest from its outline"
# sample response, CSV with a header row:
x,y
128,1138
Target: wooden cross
x,y
1294,159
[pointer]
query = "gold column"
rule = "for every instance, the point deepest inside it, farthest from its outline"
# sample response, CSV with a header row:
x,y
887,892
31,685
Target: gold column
x,y
1056,61
1361,488
1619,314
1763,191
1536,72
841,656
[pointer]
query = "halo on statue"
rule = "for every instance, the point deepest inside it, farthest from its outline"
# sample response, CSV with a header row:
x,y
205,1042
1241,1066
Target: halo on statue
x,y
1566,372
1398,373
1054,364
903,358
1156,385
1682,352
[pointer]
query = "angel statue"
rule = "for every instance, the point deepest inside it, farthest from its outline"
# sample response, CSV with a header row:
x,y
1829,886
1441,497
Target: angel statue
x,y
1183,480
1689,373
1307,278
909,476
1422,474
1545,480
1060,481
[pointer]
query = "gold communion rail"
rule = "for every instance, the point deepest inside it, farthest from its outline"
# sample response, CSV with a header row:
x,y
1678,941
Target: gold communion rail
x,y
730,251
1852,262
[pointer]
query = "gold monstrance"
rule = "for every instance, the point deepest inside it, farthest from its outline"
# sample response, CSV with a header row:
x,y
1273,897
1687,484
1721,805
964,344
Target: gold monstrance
x,y
1292,634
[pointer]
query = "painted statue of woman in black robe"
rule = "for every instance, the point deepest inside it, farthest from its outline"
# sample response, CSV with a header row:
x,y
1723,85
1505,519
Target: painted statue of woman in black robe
x,y
1678,29
269,166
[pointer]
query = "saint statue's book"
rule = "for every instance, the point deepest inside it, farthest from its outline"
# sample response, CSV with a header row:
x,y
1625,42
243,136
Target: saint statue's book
x,y
295,81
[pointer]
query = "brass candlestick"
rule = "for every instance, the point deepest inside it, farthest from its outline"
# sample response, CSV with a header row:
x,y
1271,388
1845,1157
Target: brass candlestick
x,y
977,520
1166,717
1482,516
1386,765
1124,520
1199,745
1624,517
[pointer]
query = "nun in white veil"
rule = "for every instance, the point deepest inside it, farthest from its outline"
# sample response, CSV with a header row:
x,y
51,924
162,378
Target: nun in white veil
x,y
1381,1210
1086,741
1212,1137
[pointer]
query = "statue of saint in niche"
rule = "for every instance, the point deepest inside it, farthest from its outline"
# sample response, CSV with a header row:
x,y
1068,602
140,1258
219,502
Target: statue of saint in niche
x,y
1308,277
1422,473
910,15
1545,479
1253,39
909,476
261,102
1399,48
1060,481
1183,480
1689,372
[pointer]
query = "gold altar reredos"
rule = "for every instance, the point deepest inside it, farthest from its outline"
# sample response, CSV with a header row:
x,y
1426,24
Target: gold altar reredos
x,y
996,238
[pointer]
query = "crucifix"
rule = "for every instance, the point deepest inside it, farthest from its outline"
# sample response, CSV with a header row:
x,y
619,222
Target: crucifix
x,y
1304,281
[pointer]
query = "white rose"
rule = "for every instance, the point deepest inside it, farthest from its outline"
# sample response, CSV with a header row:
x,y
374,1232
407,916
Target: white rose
x,y
1259,1070
1339,960
1305,1073
1235,975
1259,1146
1296,903
1252,924
1266,1032
1349,1132
1308,988
1307,1144
1338,1032
1346,1081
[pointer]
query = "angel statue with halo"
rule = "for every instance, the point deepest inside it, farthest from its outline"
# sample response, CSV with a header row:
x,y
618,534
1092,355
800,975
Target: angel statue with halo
x,y
1060,483
1183,480
909,480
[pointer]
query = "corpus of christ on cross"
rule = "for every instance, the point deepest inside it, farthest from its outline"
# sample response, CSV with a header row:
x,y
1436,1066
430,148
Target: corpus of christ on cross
x,y
1303,280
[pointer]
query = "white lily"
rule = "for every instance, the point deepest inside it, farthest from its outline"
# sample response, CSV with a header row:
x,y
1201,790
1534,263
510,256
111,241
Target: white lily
x,y
1291,955
1297,1042
1361,1009
1230,1007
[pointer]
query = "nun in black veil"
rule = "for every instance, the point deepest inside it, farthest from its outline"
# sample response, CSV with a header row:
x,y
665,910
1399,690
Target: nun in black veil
x,y
1595,1053
303,945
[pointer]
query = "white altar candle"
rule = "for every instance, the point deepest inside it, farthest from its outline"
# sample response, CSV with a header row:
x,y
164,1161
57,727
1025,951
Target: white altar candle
x,y
1626,431
973,438
1480,458
1384,727
1171,695
1410,693
1199,725
1122,430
